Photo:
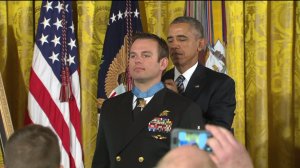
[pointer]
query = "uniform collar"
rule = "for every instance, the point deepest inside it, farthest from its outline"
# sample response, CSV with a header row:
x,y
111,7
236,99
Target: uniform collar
x,y
149,93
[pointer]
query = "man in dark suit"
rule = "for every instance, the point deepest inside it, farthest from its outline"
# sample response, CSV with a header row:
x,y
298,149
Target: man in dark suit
x,y
212,91
136,133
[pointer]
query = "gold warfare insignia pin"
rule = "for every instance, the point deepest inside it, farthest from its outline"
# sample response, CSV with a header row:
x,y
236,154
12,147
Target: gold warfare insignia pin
x,y
159,137
165,113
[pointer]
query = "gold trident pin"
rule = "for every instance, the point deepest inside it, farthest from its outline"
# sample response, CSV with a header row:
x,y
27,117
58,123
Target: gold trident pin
x,y
164,113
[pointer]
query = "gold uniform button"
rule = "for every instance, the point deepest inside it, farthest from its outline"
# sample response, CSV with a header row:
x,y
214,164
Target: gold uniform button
x,y
118,158
141,159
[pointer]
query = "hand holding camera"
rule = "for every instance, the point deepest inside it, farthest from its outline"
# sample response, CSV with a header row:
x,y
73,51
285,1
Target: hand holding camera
x,y
181,137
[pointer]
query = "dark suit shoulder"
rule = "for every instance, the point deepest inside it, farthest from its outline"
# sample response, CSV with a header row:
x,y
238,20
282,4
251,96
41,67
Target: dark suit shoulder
x,y
217,75
190,114
118,97
176,98
111,102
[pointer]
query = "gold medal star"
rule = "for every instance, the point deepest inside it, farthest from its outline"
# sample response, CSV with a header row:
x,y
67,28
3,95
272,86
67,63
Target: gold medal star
x,y
142,103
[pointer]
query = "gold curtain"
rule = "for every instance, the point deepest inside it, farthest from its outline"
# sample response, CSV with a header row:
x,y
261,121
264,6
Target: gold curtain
x,y
92,19
263,58
235,62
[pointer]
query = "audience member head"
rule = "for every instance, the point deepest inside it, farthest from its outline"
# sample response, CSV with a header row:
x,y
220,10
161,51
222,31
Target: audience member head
x,y
186,157
34,146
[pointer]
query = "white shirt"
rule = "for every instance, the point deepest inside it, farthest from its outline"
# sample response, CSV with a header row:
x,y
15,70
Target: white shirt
x,y
187,74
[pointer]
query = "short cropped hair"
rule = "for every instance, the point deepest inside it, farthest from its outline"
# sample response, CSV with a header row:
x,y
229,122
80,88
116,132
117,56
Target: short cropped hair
x,y
34,146
192,22
163,50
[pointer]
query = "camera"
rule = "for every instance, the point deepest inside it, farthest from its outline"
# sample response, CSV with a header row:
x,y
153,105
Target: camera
x,y
181,137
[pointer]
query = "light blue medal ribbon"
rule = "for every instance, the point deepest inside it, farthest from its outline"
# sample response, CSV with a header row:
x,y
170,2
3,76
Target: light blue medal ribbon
x,y
150,92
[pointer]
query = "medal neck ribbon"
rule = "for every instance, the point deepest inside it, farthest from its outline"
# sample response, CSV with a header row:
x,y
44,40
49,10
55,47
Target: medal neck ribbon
x,y
149,93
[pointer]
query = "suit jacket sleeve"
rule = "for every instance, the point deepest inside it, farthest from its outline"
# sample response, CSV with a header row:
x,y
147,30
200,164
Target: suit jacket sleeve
x,y
222,105
192,117
101,156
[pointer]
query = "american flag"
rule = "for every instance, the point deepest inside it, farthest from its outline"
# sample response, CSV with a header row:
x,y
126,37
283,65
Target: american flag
x,y
54,89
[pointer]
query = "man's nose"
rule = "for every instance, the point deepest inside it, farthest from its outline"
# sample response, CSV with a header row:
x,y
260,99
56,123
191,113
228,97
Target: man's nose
x,y
137,58
174,45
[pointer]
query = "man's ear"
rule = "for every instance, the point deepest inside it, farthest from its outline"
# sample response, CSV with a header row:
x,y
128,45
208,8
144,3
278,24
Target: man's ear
x,y
61,166
164,63
201,44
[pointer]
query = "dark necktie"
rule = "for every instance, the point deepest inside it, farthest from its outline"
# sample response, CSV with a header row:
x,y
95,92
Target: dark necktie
x,y
140,104
179,83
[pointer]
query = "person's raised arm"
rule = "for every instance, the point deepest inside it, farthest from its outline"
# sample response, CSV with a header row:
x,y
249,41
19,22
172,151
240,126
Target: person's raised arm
x,y
227,151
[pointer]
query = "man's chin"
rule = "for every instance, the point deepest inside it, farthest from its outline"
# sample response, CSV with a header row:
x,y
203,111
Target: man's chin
x,y
175,59
175,62
139,80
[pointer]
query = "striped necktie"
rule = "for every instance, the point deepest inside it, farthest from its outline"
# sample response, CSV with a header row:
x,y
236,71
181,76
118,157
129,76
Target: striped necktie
x,y
179,83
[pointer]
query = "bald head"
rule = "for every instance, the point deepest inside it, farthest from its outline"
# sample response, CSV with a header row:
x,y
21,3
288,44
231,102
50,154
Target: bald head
x,y
186,157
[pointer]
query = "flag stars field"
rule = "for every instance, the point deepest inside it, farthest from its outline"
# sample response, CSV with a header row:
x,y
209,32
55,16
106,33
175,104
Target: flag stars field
x,y
46,22
59,7
72,27
48,5
126,13
113,18
43,39
58,23
55,40
54,57
136,13
120,15
71,59
72,43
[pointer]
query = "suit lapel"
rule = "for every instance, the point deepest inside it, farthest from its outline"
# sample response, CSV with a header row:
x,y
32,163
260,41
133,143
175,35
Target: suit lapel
x,y
126,107
123,117
152,109
196,83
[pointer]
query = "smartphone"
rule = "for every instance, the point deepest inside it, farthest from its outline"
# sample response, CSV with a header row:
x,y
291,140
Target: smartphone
x,y
180,137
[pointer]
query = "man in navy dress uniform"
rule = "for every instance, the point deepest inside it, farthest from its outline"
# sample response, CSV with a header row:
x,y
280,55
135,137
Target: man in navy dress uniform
x,y
134,127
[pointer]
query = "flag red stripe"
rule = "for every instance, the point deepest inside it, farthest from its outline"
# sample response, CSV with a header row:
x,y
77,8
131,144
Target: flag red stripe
x,y
38,116
27,119
72,162
42,96
75,119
